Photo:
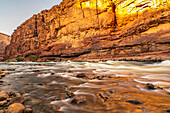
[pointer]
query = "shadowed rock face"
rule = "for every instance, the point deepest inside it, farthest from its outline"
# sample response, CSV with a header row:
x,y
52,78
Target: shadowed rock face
x,y
96,30
4,41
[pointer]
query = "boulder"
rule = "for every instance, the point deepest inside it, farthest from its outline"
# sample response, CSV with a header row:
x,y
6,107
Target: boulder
x,y
17,100
16,108
3,95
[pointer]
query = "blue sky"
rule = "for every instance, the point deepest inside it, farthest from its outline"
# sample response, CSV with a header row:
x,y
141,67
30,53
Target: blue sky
x,y
14,12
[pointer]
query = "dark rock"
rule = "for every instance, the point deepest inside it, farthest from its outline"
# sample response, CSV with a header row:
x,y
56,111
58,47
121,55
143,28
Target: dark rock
x,y
168,110
81,75
41,84
110,92
12,93
103,97
3,75
70,94
79,100
136,102
17,100
150,86
1,82
69,71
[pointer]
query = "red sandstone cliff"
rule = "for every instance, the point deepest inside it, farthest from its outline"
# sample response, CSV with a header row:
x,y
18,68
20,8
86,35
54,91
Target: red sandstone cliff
x,y
4,41
96,30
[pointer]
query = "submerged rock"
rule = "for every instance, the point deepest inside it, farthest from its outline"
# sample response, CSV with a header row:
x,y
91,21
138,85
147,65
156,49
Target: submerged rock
x,y
79,100
136,102
70,94
81,75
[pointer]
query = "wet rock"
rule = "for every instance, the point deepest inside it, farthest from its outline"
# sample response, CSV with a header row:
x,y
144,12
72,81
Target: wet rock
x,y
17,100
3,103
56,107
103,97
1,82
111,92
28,110
2,111
79,100
81,75
150,86
136,102
3,95
168,110
69,71
16,108
10,69
12,93
70,94
41,84
18,95
25,92
3,75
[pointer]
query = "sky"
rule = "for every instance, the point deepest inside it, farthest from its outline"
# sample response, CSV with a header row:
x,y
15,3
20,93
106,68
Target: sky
x,y
14,12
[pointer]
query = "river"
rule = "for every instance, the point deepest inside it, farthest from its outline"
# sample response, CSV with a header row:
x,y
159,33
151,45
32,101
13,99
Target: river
x,y
90,87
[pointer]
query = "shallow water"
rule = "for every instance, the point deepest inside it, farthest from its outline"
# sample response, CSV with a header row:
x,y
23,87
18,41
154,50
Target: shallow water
x,y
47,83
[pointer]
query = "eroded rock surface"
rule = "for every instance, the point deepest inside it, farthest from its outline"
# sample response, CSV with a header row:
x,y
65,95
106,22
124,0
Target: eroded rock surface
x,y
4,41
93,30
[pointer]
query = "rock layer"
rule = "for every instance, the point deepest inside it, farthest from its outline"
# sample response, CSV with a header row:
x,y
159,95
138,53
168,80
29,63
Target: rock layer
x,y
93,30
4,41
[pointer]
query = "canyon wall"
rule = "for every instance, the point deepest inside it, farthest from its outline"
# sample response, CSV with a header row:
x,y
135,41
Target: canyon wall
x,y
4,41
94,30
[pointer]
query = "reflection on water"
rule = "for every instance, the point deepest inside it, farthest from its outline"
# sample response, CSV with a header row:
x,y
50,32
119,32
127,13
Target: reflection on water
x,y
48,82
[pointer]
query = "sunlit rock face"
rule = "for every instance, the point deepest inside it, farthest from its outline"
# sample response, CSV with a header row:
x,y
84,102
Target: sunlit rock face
x,y
4,41
123,8
96,30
